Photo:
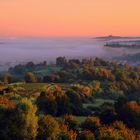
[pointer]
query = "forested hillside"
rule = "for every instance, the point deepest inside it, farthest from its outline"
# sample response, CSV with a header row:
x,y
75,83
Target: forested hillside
x,y
71,100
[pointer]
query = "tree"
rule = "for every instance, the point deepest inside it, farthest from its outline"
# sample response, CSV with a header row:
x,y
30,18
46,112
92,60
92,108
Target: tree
x,y
53,101
30,77
66,133
7,78
91,123
63,105
7,123
6,102
96,85
51,78
46,103
18,121
86,135
18,69
71,122
30,65
126,133
122,100
26,120
107,113
61,61
76,102
109,133
48,128
116,131
121,75
82,90
131,114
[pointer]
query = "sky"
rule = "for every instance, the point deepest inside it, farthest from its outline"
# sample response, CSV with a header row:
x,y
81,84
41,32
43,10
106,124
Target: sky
x,y
43,18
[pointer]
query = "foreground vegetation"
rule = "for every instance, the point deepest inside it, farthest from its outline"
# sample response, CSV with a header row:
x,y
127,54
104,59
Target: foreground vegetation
x,y
73,99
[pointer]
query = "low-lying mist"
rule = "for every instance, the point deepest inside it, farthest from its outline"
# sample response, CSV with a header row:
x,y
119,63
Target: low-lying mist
x,y
13,51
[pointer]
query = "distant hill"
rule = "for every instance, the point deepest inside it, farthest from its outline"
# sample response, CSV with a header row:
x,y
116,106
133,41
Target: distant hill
x,y
110,37
119,45
134,57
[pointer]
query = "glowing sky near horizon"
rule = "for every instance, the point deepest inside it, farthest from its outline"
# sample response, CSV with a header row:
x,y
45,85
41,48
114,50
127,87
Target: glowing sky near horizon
x,y
69,17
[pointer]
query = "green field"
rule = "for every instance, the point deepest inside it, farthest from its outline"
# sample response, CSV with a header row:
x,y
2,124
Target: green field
x,y
97,103
81,119
47,70
34,86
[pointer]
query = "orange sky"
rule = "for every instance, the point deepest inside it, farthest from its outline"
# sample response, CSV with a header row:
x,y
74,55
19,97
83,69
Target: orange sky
x,y
20,18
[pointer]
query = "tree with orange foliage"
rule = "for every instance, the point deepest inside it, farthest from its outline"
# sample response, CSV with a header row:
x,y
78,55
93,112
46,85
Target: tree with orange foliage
x,y
66,133
91,123
71,121
116,131
30,77
48,128
6,103
131,113
86,135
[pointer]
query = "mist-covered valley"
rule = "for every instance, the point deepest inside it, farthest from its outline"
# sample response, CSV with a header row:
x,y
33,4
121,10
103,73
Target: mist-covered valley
x,y
21,50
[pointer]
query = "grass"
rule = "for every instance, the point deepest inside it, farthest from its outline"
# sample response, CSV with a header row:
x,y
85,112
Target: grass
x,y
2,87
98,102
81,119
34,86
41,71
48,70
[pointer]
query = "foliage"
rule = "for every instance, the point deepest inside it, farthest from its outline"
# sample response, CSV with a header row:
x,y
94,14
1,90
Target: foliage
x,y
48,128
26,120
116,131
66,133
86,135
6,103
71,121
91,123
30,77
88,99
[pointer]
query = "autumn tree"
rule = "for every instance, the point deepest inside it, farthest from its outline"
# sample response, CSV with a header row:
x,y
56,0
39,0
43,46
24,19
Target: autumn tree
x,y
86,135
26,120
7,78
30,77
116,131
125,132
66,133
91,123
108,133
48,128
131,114
46,103
63,105
18,122
75,101
71,121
